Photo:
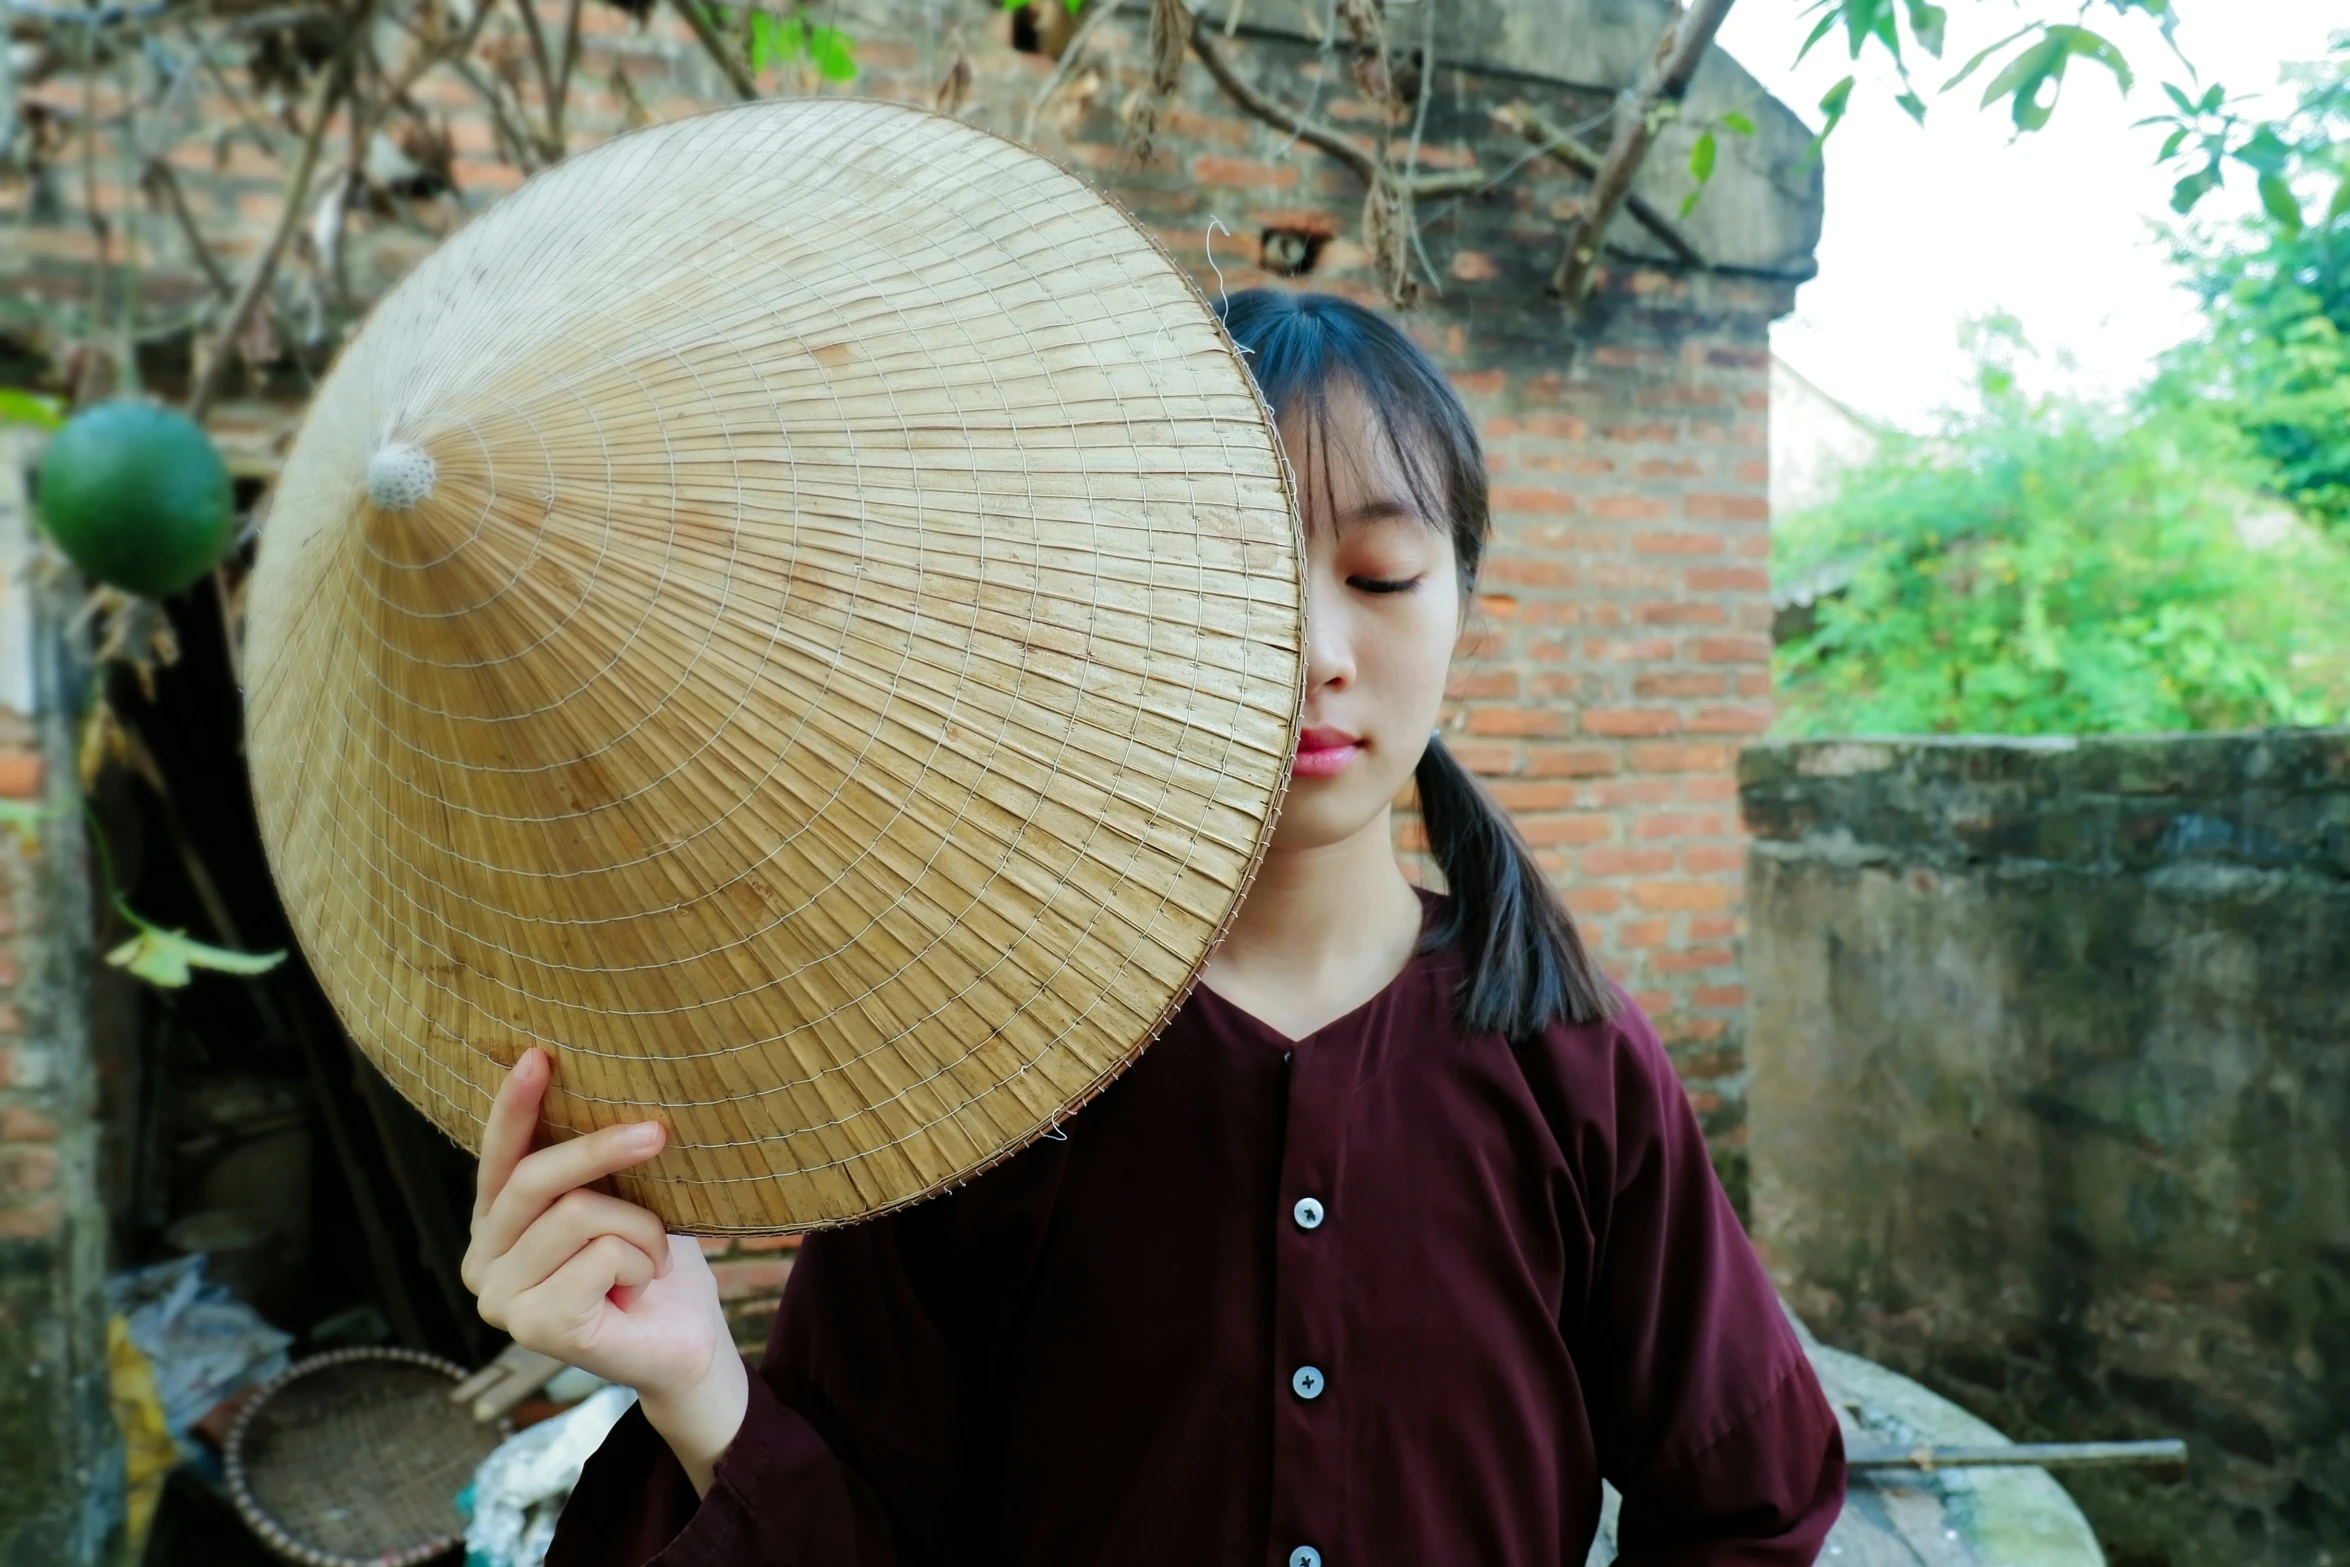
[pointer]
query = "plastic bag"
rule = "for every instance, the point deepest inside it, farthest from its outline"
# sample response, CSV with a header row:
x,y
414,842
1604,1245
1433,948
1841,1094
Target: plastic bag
x,y
520,1488
201,1342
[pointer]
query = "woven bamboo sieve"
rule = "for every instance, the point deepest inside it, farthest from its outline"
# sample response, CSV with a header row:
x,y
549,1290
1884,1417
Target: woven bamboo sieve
x,y
797,612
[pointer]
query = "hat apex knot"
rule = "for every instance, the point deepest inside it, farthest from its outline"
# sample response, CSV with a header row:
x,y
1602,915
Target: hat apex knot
x,y
400,476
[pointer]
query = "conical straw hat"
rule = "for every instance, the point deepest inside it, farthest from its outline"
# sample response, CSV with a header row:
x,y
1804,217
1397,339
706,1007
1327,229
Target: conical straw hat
x,y
796,611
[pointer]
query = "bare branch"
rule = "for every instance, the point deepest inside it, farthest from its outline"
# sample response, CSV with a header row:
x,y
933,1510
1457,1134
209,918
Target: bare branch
x,y
1065,64
737,73
213,367
1279,116
161,180
1555,141
1678,50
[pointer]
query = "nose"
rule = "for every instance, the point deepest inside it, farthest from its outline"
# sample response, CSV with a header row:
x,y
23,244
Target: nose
x,y
1330,660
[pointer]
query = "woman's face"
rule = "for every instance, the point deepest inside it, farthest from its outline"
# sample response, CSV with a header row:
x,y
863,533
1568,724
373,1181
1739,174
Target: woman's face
x,y
1383,607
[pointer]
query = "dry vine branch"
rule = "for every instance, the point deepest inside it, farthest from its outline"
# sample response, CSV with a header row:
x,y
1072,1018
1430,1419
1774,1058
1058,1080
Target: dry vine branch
x,y
1279,116
212,367
1555,141
737,73
1638,114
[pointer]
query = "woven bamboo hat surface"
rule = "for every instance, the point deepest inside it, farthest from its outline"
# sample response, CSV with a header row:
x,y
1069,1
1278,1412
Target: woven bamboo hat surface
x,y
798,612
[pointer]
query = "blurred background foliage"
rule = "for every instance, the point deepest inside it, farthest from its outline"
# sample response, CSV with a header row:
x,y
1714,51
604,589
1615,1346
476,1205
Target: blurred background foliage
x,y
2180,560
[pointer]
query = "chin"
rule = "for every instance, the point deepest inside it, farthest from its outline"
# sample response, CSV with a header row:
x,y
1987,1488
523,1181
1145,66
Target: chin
x,y
1318,812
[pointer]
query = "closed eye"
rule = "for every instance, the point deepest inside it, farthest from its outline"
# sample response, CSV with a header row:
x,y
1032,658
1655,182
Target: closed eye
x,y
1383,584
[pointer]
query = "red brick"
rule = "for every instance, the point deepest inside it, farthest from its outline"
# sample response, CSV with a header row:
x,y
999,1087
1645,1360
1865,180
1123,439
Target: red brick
x,y
1726,508
1675,757
1621,721
1679,824
30,1221
1516,721
1577,762
27,1169
1689,896
756,1243
1629,508
1754,682
1471,684
1726,579
1644,933
1731,721
1683,612
1551,832
1662,543
1732,650
1607,860
1514,794
1752,470
1216,169
1531,498
1518,571
1710,859
1720,996
1667,684
1484,757
20,1125
1669,468
1587,902
1712,929
1694,961
716,1245
20,774
11,1022
1479,383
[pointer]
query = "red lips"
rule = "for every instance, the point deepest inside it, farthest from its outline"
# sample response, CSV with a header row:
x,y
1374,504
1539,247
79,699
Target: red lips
x,y
1323,752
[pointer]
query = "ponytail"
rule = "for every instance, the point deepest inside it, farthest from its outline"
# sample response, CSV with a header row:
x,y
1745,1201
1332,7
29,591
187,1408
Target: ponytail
x,y
1526,964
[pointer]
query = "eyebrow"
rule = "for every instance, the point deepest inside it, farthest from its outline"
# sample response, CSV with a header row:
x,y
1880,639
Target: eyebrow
x,y
1380,510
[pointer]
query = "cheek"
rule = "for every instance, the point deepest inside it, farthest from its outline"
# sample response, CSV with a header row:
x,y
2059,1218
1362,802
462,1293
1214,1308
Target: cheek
x,y
1414,655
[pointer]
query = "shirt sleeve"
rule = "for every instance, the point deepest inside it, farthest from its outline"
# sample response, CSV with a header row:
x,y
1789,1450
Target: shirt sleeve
x,y
1707,1414
857,1447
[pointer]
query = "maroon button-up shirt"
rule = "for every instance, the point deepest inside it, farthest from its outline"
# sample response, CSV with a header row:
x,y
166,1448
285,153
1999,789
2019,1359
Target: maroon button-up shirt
x,y
1390,1295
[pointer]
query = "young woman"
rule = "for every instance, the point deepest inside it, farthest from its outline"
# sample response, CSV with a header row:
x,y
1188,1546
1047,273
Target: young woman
x,y
1397,1240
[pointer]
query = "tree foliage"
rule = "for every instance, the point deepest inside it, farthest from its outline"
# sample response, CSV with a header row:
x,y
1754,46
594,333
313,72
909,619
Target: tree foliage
x,y
2046,566
2276,295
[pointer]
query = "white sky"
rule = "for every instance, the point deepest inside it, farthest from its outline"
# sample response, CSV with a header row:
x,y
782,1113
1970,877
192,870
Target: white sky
x,y
1928,226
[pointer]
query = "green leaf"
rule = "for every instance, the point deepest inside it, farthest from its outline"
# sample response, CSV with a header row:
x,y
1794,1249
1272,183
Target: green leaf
x,y
1737,124
1701,167
763,50
1827,25
834,53
1929,22
21,407
2185,103
2341,202
2193,189
2266,151
1860,22
2170,146
2097,47
1833,103
2212,99
168,957
2278,198
1913,106
1981,55
2021,79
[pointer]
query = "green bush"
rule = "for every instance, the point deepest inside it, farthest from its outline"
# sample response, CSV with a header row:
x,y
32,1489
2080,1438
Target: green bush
x,y
2047,567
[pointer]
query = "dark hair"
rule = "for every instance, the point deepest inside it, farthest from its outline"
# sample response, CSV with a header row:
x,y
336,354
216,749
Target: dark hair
x,y
1525,963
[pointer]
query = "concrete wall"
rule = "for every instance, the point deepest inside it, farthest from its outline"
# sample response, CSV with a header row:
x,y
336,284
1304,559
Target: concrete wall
x,y
2050,1101
60,1465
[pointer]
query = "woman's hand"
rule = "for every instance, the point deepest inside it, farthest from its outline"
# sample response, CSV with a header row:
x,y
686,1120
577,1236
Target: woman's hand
x,y
598,1282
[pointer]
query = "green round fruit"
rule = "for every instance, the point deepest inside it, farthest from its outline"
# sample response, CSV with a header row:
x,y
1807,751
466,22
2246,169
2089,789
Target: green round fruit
x,y
137,496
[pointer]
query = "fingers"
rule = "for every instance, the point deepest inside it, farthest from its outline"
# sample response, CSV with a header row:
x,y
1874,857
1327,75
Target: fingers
x,y
542,1177
561,1315
513,1117
569,1224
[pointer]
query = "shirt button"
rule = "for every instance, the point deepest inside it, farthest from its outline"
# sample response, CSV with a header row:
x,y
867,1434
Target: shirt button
x,y
1305,1556
1308,1214
1307,1381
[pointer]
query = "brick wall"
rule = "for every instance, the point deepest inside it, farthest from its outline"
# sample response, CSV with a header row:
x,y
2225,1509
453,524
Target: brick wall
x,y
1618,651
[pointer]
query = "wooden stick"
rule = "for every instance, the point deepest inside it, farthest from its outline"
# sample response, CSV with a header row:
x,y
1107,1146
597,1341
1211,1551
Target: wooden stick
x,y
1064,65
2038,1455
715,47
1678,49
